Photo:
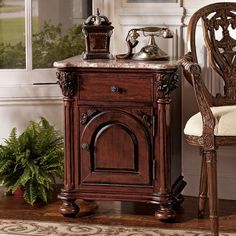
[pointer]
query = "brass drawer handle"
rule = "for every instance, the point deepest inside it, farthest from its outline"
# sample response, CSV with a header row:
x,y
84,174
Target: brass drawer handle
x,y
115,89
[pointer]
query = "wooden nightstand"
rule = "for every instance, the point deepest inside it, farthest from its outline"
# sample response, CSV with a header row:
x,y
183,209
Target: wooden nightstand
x,y
119,140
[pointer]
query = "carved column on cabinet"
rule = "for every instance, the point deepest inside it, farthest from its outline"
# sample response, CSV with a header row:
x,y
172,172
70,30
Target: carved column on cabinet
x,y
68,84
164,84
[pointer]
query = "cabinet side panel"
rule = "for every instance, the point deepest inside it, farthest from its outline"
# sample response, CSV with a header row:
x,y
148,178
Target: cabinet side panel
x,y
176,131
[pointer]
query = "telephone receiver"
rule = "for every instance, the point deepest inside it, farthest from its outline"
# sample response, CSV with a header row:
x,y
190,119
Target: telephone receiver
x,y
150,52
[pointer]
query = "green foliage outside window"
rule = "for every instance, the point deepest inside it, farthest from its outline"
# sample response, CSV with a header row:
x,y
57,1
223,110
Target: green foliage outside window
x,y
12,56
48,45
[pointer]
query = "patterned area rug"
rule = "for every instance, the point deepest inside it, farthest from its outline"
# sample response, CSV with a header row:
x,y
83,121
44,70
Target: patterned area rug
x,y
36,228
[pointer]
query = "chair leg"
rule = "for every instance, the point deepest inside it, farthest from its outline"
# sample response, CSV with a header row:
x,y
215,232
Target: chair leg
x,y
211,163
202,188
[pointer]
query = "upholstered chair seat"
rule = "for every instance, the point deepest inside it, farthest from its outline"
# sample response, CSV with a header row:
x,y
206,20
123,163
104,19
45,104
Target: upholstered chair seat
x,y
225,122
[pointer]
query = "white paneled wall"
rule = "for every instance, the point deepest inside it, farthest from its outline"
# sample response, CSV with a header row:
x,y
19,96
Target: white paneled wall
x,y
22,101
17,113
162,17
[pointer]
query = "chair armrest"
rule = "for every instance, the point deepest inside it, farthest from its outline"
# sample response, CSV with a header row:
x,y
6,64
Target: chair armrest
x,y
192,72
190,68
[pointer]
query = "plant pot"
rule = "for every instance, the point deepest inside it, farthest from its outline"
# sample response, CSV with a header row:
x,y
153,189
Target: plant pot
x,y
19,192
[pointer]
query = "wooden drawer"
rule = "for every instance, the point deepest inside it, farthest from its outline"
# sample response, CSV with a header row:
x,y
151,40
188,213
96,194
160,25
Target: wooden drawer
x,y
115,87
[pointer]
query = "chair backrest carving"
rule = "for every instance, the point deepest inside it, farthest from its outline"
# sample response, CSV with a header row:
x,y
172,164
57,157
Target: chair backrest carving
x,y
219,29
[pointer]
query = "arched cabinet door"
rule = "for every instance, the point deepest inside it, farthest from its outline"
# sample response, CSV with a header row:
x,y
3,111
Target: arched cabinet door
x,y
115,148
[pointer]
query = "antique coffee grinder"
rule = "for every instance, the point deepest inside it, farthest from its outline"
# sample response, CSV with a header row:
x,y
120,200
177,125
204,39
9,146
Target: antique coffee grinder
x,y
97,30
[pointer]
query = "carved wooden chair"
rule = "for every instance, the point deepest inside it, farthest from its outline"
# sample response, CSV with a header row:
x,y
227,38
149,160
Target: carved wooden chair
x,y
215,124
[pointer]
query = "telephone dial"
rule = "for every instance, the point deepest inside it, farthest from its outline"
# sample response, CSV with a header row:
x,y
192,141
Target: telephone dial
x,y
150,52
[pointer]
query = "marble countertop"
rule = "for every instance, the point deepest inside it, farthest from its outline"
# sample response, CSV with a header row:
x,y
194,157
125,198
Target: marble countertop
x,y
78,62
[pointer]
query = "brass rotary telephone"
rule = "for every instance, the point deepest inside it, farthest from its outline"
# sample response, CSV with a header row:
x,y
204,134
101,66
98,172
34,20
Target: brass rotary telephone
x,y
150,52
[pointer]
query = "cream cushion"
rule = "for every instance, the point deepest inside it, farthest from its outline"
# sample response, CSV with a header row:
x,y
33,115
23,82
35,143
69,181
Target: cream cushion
x,y
225,125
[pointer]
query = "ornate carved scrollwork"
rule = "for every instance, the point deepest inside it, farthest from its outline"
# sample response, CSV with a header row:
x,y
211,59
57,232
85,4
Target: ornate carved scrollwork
x,y
194,140
211,156
147,119
223,18
85,117
209,141
192,71
68,83
166,83
189,66
222,46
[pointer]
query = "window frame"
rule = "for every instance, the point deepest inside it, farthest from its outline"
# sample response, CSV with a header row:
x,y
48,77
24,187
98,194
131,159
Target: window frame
x,y
28,75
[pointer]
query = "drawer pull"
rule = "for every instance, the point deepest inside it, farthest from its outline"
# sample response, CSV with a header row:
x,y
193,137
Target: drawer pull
x,y
115,89
85,146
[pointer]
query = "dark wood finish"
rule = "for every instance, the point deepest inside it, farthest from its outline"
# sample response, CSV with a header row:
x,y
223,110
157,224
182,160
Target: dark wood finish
x,y
118,140
118,213
115,87
110,160
97,31
222,59
202,187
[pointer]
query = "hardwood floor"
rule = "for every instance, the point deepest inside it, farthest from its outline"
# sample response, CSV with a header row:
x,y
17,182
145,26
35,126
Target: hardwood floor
x,y
115,213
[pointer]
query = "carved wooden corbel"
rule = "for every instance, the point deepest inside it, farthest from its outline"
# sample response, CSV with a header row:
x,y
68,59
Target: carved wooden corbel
x,y
68,82
166,83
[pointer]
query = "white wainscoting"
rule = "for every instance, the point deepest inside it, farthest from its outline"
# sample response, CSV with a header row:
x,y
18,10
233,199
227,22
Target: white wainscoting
x,y
24,102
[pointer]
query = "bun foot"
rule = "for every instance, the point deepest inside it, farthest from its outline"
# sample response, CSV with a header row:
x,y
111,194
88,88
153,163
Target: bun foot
x,y
69,208
165,214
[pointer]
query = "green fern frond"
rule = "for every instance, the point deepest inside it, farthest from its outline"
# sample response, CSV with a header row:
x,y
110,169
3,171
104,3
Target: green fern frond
x,y
31,192
34,169
4,165
42,181
43,193
12,140
32,160
9,183
24,178
45,124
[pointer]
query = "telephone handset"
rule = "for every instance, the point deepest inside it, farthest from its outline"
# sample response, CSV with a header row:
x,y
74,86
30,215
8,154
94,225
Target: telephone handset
x,y
149,52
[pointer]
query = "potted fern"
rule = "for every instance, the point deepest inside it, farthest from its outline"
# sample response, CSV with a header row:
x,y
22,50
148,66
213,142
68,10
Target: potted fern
x,y
32,161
